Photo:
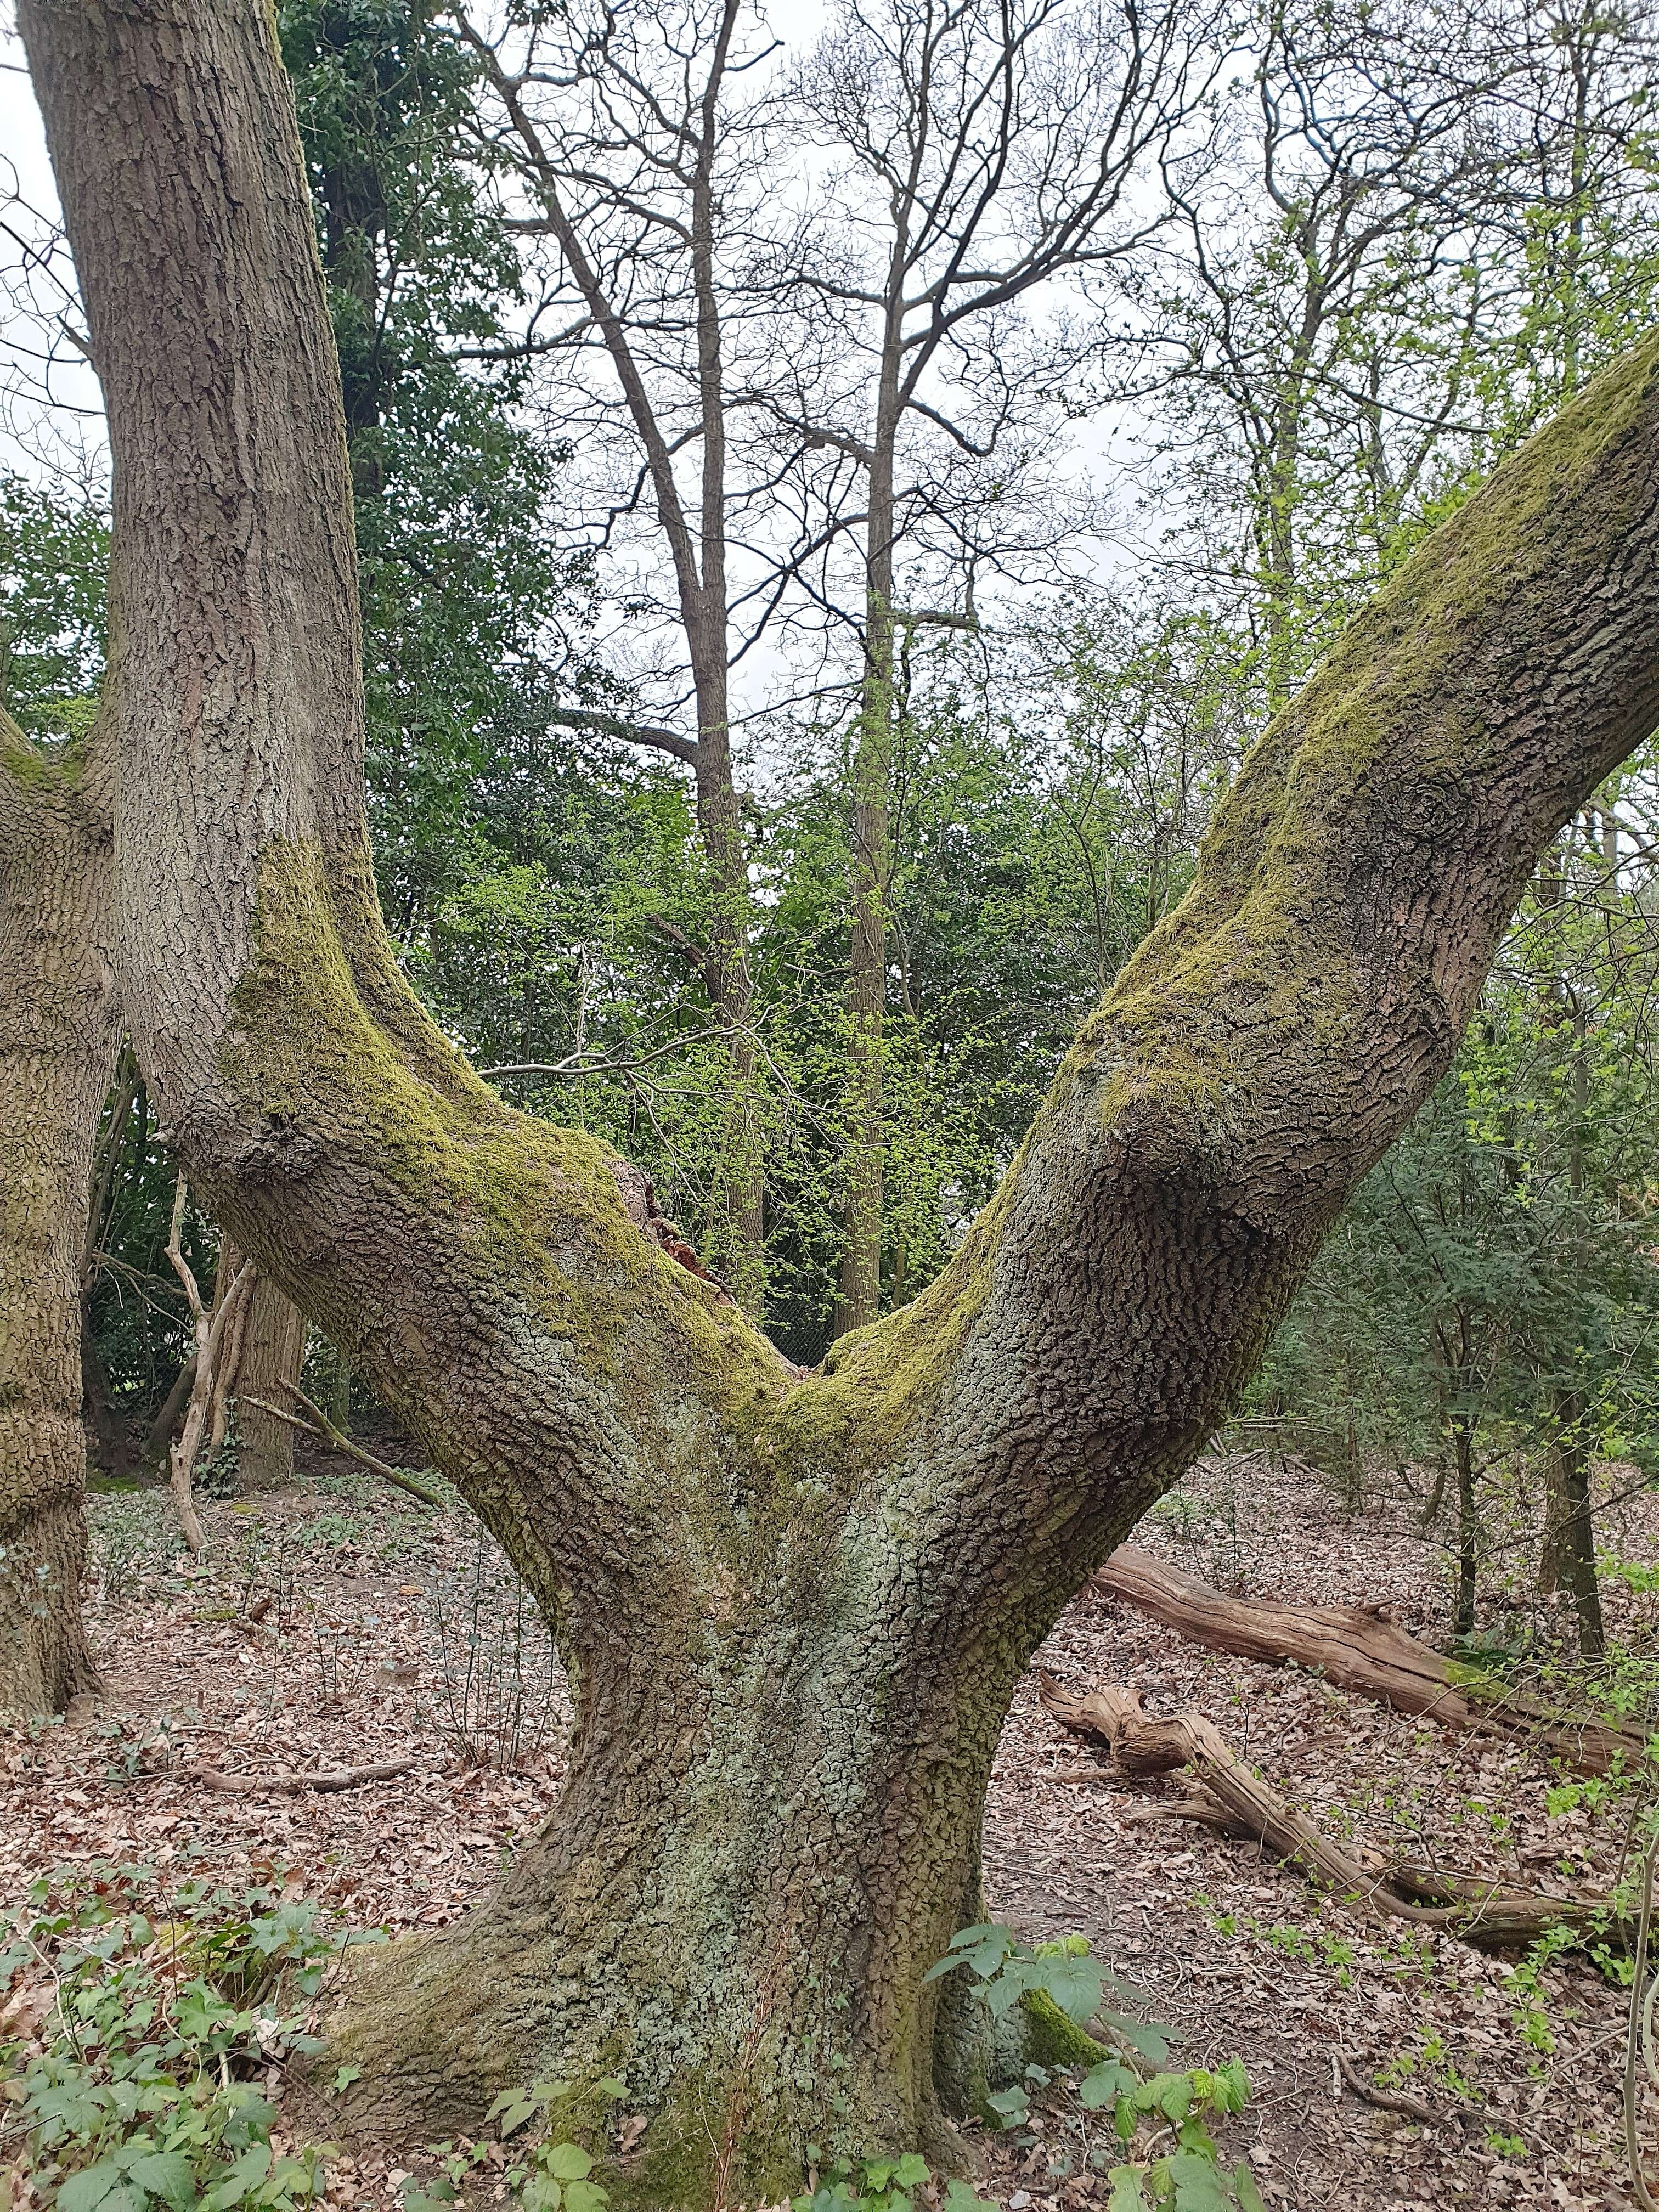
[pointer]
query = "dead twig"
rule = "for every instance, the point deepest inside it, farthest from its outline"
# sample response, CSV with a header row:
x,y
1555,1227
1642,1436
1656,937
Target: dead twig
x,y
312,1421
1235,1799
1389,2100
208,1330
1360,1650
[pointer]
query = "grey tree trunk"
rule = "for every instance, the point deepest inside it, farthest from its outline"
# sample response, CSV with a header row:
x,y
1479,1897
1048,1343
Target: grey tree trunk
x,y
58,1042
794,1607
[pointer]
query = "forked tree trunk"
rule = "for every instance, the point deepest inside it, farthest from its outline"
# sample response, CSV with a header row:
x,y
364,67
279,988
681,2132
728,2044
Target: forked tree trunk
x,y
794,1609
58,1038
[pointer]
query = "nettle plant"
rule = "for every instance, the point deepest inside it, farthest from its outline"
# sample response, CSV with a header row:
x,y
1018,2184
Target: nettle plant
x,y
1158,2152
135,2094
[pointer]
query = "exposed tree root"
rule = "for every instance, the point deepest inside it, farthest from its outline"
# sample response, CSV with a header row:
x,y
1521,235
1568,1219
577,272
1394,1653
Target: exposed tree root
x,y
1232,1797
1359,1649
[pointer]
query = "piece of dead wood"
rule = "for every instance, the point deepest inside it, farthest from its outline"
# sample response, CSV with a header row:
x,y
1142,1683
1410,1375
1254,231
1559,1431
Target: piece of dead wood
x,y
1356,1648
312,1421
1389,2100
1232,1797
338,1778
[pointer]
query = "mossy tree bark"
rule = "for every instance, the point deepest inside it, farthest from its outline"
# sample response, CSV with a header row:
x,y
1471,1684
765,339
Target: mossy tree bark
x,y
794,1607
58,1042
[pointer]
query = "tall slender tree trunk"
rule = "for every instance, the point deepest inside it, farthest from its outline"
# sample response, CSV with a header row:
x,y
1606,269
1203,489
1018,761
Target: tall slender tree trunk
x,y
1567,1560
739,1250
859,1294
1469,1525
58,1042
794,1607
720,813
1568,1563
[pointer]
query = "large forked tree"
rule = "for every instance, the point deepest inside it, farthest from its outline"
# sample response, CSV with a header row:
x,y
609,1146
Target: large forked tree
x,y
794,1609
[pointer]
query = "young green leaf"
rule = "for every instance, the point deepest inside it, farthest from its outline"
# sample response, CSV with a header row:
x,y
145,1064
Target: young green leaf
x,y
1197,2184
165,2175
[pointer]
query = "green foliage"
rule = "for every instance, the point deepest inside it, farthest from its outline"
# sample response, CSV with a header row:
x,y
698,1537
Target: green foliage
x,y
545,2172
882,2185
1159,2152
167,2001
54,563
461,582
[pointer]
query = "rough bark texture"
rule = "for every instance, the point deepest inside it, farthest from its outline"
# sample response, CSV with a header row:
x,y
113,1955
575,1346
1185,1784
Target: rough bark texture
x,y
1361,1650
57,1037
794,1609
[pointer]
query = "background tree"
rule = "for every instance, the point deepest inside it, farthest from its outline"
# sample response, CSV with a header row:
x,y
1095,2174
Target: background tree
x,y
57,1034
977,155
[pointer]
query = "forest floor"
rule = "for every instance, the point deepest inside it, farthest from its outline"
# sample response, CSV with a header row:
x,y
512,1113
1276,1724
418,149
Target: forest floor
x,y
387,1635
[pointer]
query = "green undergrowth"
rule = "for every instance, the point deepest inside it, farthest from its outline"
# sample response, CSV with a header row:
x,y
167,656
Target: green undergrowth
x,y
1145,2125
166,2009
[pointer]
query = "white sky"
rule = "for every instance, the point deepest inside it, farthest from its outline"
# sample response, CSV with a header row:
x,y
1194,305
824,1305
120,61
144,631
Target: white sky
x,y
51,423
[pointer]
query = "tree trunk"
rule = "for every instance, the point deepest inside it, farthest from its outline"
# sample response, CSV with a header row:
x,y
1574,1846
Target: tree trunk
x,y
58,1037
1469,1525
794,1607
767,1877
859,1294
739,1244
267,1355
1358,1648
1569,1557
112,1438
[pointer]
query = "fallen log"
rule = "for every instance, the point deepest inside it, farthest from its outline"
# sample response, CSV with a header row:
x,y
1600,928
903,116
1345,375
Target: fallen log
x,y
1358,1648
1233,1798
335,1778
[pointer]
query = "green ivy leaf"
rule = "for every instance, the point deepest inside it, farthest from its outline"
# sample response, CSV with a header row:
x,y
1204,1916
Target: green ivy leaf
x,y
1249,2196
1153,2043
1232,2086
1168,2093
1075,1985
1128,2195
567,2161
512,2108
86,2191
959,2198
585,2196
912,2171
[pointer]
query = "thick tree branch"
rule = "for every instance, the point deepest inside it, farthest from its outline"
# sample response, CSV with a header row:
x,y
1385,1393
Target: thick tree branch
x,y
634,733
